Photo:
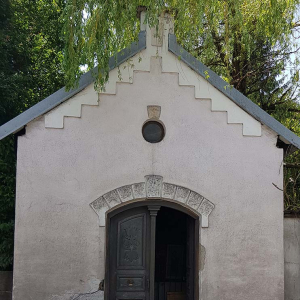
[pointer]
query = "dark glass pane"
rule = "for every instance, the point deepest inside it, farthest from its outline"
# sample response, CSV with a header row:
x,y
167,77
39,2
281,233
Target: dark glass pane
x,y
153,132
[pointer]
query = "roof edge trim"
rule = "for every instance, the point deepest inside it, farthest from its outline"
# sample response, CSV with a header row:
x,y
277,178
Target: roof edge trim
x,y
62,95
233,94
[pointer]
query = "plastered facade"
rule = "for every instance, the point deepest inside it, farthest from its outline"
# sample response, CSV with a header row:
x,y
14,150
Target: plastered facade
x,y
291,258
157,47
229,159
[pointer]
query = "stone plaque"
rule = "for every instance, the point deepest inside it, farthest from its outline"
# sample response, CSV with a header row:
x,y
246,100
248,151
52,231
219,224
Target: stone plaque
x,y
125,193
112,198
139,190
153,111
181,194
153,186
194,200
168,191
205,207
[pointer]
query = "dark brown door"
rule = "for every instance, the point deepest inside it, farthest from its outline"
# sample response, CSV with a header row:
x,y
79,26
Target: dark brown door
x,y
190,258
129,256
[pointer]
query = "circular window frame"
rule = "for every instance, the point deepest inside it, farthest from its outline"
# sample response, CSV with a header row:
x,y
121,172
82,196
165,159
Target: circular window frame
x,y
161,124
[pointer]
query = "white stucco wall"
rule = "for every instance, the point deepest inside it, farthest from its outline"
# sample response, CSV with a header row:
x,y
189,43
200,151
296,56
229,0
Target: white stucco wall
x,y
292,258
59,246
59,249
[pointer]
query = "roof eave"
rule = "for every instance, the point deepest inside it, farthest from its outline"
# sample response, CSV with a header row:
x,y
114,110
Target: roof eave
x,y
242,101
284,134
62,95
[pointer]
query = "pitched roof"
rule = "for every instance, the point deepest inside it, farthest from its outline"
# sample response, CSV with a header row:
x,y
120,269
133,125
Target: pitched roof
x,y
62,95
284,134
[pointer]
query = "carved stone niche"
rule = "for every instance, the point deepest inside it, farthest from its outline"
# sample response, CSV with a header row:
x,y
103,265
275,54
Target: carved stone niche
x,y
153,188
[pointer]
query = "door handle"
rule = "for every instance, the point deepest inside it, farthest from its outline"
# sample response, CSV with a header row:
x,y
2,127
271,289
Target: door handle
x,y
148,284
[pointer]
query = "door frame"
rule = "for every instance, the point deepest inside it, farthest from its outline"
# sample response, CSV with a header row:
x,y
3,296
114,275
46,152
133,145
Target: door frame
x,y
160,202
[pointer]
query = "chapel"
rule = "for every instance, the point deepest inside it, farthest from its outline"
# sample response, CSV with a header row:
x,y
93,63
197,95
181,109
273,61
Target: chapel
x,y
161,186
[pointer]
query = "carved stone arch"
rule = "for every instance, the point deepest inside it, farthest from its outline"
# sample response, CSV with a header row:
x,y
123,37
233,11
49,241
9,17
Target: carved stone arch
x,y
152,188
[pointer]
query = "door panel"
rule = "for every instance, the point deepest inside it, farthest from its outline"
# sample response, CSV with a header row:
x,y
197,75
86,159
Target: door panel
x,y
130,239
129,255
128,261
190,259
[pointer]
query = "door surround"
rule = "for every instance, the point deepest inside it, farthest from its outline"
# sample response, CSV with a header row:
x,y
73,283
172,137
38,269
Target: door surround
x,y
153,188
153,204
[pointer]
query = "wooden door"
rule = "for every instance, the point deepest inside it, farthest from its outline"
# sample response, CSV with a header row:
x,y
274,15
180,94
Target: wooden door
x,y
190,259
129,257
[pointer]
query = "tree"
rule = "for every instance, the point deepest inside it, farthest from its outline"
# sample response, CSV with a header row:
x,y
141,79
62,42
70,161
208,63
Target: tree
x,y
248,43
224,34
30,69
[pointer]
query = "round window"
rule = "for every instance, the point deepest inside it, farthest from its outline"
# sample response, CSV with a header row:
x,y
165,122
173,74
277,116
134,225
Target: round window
x,y
153,132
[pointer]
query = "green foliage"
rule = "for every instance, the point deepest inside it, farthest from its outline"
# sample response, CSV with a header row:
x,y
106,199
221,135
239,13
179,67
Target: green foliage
x,y
247,42
96,29
292,183
7,199
30,69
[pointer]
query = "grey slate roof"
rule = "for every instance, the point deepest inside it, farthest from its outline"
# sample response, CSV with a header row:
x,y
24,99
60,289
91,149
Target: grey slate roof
x,y
61,95
242,101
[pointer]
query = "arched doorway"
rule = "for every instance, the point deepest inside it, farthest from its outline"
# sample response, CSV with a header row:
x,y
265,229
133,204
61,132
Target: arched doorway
x,y
152,251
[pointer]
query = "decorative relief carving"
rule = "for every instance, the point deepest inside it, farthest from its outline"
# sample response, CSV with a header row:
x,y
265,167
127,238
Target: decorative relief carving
x,y
130,239
206,207
153,186
168,190
112,198
181,194
139,190
125,193
99,203
131,244
100,207
194,200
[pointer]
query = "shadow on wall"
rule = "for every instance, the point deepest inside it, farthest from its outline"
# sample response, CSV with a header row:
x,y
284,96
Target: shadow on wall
x,y
6,280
